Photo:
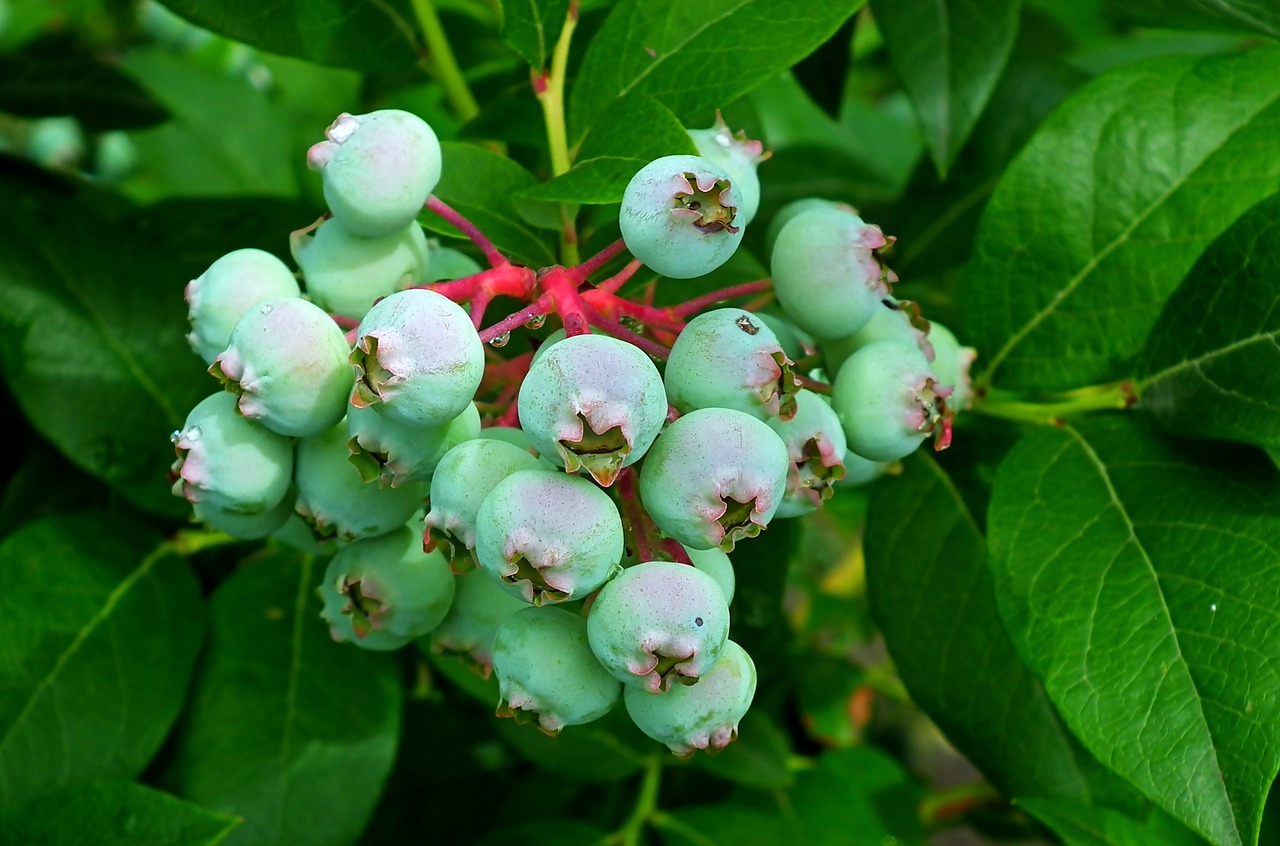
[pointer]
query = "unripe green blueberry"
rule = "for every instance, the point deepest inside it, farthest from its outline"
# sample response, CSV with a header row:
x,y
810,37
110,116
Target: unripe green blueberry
x,y
737,156
728,358
288,363
386,584
346,274
816,445
952,363
447,263
795,344
716,564
714,476
548,536
593,402
657,623
234,284
704,716
480,606
859,471
391,453
888,400
461,481
791,210
378,169
418,359
894,320
228,462
546,669
334,498
679,216
827,274
246,526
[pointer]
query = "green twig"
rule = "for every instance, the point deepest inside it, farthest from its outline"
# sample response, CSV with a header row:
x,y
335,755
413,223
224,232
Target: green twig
x,y
444,65
646,806
1116,396
548,85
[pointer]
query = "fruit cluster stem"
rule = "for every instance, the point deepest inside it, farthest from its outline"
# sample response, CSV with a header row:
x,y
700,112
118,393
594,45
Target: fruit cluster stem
x,y
1116,396
444,64
466,227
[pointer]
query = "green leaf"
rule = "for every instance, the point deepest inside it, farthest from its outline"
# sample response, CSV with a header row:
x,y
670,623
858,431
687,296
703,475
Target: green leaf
x,y
56,77
696,57
723,825
638,127
1211,367
859,789
93,337
481,185
949,55
597,181
347,33
532,27
605,750
1107,208
1254,16
113,814
758,758
932,596
226,137
99,629
1141,582
1078,824
287,729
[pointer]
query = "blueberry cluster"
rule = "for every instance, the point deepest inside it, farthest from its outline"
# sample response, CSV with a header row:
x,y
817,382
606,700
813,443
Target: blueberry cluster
x,y
582,557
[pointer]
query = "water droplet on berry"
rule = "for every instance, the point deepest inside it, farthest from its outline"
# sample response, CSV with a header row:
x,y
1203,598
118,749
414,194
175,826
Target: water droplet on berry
x,y
192,434
502,340
697,621
175,436
1214,607
536,322
266,309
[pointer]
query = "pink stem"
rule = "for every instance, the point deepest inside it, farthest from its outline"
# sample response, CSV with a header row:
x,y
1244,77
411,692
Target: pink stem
x,y
616,281
467,228
597,261
542,305
616,329
699,303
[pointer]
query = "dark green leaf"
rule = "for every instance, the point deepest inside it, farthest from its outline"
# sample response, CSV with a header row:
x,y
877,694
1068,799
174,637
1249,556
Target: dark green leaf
x,y
597,181
859,789
481,185
287,729
347,33
57,77
1079,824
930,591
724,825
561,833
1254,16
94,350
532,27
638,127
99,629
1141,582
1211,367
112,814
696,57
605,750
28,496
1107,208
949,54
225,138
758,758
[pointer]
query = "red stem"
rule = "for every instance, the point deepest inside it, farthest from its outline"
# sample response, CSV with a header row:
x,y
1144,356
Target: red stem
x,y
634,512
542,305
813,384
617,280
466,227
601,258
698,303
616,329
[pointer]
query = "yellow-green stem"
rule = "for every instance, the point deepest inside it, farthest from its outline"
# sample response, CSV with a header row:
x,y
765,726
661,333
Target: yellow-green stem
x,y
646,804
444,64
1113,397
550,91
